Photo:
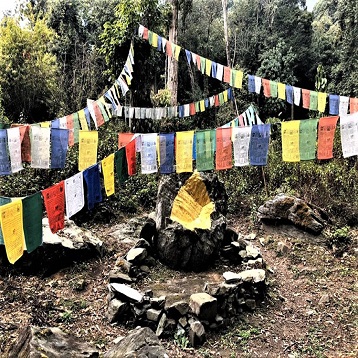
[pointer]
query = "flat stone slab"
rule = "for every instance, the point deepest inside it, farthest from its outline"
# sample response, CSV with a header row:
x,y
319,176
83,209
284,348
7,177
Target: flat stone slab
x,y
204,306
126,292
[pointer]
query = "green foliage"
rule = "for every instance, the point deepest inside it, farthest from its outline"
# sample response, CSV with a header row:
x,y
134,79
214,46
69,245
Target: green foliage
x,y
162,98
181,340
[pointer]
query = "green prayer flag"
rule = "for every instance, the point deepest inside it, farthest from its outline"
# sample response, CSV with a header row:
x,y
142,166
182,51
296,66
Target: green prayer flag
x,y
313,100
150,37
273,88
76,127
202,64
204,150
308,139
120,161
103,111
32,221
3,201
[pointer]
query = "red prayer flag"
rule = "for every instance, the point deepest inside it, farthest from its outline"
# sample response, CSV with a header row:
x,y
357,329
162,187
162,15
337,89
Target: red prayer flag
x,y
124,139
227,74
98,114
241,121
198,62
168,49
326,130
353,105
70,126
131,157
267,88
223,149
192,110
216,100
145,34
54,200
306,98
25,142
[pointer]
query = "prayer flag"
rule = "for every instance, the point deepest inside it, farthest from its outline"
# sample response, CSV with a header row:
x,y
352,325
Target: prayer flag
x,y
168,49
5,164
54,199
131,157
326,131
322,99
145,34
121,166
186,110
70,127
32,221
184,151
14,145
93,186
108,174
259,144
289,94
281,91
227,74
76,127
353,105
349,134
313,100
343,105
202,64
216,101
74,193
297,95
155,40
25,142
273,89
177,52
223,149
192,111
241,142
266,86
40,147
3,201
257,84
306,97
88,118
333,104
188,56
236,78
140,31
207,67
204,150
308,139
82,119
219,72
213,69
12,230
87,149
149,153
199,60
290,141
59,146
124,139
251,83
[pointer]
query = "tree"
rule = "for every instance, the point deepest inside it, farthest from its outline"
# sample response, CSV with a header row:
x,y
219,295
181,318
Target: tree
x,y
28,71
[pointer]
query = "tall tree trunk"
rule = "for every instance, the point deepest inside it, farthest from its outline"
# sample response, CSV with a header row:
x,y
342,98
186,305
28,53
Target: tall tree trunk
x,y
226,34
172,83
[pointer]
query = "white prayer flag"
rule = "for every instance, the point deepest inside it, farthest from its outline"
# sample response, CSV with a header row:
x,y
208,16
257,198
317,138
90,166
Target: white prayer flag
x,y
241,140
40,147
14,144
149,153
297,95
74,194
257,84
343,105
349,134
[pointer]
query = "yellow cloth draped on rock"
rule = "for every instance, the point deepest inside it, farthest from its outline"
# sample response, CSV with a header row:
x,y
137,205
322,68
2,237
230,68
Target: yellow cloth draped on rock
x,y
192,206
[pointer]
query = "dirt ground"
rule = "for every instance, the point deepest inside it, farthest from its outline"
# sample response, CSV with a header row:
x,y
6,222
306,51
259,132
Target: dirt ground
x,y
311,308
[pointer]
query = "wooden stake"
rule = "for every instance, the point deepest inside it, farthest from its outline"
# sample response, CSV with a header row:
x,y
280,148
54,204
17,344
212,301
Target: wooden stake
x,y
264,178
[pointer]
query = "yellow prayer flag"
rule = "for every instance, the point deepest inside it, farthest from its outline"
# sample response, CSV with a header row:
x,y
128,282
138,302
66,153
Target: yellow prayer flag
x,y
184,152
108,174
12,229
238,76
225,96
46,124
290,141
202,105
158,150
87,149
177,52
155,40
208,67
128,79
322,101
281,91
82,119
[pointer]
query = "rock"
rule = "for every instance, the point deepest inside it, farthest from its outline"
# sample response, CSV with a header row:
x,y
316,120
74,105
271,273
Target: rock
x,y
252,252
125,292
197,334
166,326
158,302
123,265
144,268
183,321
232,277
115,276
203,306
141,342
136,255
50,342
129,230
250,237
243,254
149,231
255,264
250,303
255,275
180,248
116,309
282,248
153,315
177,309
289,209
230,235
144,244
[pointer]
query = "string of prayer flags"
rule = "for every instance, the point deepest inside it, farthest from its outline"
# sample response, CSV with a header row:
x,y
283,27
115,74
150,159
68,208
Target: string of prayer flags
x,y
54,200
74,193
40,147
14,145
59,146
321,102
121,166
259,144
349,135
87,149
108,174
93,186
166,153
326,131
131,157
313,100
308,139
149,153
205,149
343,105
3,201
290,141
184,151
32,221
5,164
241,142
281,91
353,105
297,95
12,229
223,149
306,98
333,104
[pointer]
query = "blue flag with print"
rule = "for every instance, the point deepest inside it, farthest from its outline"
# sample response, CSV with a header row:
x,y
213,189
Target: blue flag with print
x,y
333,104
259,144
93,186
166,148
59,146
289,94
5,164
159,48
251,83
188,56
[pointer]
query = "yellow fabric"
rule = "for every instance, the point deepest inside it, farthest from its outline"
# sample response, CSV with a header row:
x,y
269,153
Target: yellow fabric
x,y
202,105
192,206
108,174
177,52
290,141
281,91
225,96
12,229
238,79
128,79
87,149
45,124
82,119
322,99
184,152
155,40
158,150
208,67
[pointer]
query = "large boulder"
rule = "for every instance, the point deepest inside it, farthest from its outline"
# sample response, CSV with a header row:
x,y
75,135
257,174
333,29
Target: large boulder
x,y
190,245
38,342
289,209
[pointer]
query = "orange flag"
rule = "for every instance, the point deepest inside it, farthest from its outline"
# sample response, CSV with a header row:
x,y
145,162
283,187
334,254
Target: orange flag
x,y
227,74
306,98
353,105
326,130
124,139
131,157
266,86
223,148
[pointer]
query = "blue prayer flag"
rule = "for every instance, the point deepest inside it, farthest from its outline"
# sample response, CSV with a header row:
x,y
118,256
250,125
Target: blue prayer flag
x,y
251,83
334,104
5,164
59,146
93,186
259,144
166,147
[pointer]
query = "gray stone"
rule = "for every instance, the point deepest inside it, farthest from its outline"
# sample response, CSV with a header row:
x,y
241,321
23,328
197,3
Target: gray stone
x,y
255,264
115,276
255,275
250,303
183,321
289,209
158,302
116,309
243,254
126,292
136,255
141,343
177,309
282,248
166,326
197,334
232,277
252,252
38,342
128,230
144,268
203,306
123,265
153,315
